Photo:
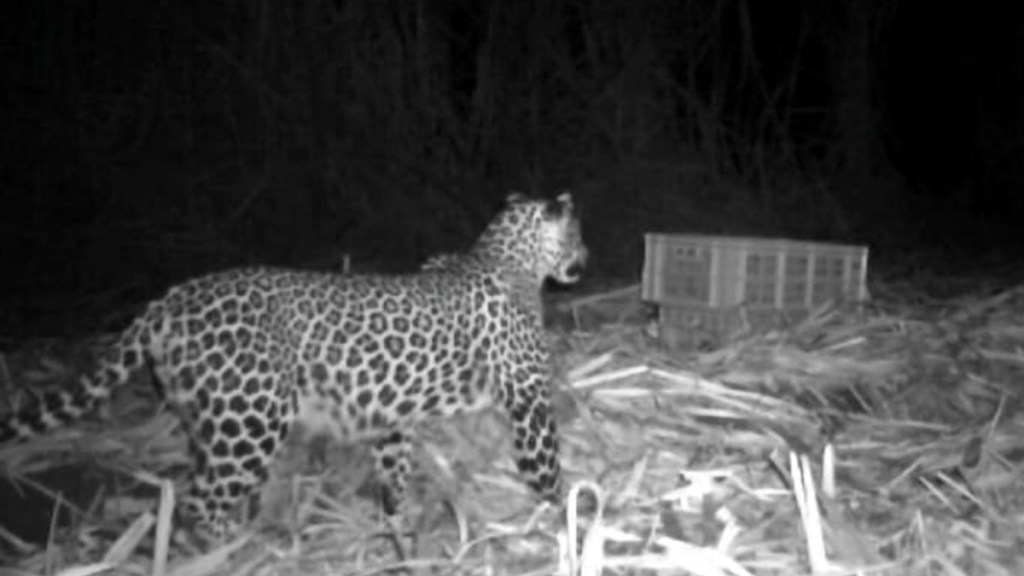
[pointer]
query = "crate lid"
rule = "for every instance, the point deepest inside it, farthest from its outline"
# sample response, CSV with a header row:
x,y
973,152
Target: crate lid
x,y
747,243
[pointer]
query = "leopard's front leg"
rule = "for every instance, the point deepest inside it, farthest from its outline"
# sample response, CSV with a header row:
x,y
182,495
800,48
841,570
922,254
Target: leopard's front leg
x,y
526,396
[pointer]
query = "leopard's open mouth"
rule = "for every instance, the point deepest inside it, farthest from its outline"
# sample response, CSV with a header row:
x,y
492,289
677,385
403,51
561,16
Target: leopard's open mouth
x,y
570,271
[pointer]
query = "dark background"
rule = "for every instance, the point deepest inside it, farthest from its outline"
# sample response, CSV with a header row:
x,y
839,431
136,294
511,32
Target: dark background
x,y
144,142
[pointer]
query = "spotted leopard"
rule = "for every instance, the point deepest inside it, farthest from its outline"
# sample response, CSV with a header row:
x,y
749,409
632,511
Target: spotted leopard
x,y
246,356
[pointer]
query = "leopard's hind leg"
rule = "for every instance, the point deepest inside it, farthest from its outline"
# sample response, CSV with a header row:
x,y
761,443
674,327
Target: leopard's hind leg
x,y
235,431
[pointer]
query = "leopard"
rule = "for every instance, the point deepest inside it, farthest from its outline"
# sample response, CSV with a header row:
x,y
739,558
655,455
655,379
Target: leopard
x,y
246,356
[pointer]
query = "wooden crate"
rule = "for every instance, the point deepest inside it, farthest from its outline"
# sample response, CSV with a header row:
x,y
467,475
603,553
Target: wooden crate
x,y
708,287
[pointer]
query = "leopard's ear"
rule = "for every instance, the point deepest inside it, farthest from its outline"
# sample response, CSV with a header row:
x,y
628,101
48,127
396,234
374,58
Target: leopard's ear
x,y
565,199
560,206
516,197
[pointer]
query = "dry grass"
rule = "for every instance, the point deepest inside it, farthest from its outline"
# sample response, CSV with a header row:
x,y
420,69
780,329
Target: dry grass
x,y
880,441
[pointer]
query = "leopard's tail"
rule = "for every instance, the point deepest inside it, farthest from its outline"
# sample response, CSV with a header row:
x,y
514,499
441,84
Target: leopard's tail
x,y
57,408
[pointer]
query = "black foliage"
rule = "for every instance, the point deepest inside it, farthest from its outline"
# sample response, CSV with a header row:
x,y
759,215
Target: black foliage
x,y
149,141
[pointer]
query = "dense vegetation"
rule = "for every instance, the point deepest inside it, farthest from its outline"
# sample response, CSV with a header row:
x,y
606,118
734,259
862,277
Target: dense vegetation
x,y
148,141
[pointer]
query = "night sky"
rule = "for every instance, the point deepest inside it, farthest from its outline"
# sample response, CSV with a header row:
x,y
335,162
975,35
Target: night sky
x,y
148,142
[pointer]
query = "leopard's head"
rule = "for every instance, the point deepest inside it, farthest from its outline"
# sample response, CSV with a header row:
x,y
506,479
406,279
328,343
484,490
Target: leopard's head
x,y
536,237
